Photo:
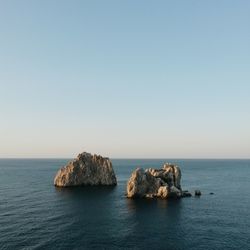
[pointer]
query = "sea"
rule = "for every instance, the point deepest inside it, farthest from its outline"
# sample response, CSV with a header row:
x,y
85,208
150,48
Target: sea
x,y
36,215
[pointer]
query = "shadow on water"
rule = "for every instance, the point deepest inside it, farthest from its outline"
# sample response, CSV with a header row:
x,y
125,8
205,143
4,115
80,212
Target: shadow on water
x,y
165,210
149,216
153,205
82,191
86,207
86,204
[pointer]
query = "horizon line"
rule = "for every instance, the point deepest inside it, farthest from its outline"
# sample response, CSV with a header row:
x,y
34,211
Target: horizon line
x,y
129,158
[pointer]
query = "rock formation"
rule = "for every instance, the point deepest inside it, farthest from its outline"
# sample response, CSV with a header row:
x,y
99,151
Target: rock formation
x,y
197,192
86,169
150,183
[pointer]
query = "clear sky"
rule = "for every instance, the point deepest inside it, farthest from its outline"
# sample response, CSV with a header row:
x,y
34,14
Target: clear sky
x,y
132,78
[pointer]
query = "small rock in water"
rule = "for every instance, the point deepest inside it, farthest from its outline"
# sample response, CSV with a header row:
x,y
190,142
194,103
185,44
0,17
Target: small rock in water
x,y
186,194
211,193
197,193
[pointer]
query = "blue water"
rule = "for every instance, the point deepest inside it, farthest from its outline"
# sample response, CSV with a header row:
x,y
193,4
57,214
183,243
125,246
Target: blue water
x,y
36,215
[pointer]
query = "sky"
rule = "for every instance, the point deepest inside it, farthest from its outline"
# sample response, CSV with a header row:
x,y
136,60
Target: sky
x,y
125,79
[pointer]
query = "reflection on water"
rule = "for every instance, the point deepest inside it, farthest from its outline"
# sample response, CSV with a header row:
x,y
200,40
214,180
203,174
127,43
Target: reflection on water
x,y
85,191
140,205
156,218
87,204
87,200
161,209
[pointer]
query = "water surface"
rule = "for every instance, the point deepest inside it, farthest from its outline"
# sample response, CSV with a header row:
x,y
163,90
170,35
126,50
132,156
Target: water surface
x,y
36,215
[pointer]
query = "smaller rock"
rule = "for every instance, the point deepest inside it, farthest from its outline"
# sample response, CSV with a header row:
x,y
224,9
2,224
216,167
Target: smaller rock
x,y
197,192
211,193
174,192
186,194
149,196
151,183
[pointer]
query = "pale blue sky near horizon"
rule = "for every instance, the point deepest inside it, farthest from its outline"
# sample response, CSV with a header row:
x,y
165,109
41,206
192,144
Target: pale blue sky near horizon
x,y
129,79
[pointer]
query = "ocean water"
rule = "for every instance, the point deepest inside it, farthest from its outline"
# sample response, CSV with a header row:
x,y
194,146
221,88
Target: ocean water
x,y
36,215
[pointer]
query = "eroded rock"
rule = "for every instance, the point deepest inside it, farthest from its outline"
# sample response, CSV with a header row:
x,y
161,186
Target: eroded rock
x,y
86,169
150,183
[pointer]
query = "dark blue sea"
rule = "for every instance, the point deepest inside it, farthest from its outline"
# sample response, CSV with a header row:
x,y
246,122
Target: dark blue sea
x,y
36,215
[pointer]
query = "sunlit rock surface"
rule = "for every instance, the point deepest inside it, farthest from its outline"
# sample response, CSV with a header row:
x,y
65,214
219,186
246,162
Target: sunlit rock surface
x,y
150,183
86,169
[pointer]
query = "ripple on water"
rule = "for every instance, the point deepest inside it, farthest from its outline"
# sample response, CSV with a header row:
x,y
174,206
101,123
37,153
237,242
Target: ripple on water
x,y
36,215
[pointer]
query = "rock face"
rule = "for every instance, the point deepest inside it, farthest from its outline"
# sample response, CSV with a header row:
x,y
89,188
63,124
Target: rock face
x,y
86,169
149,183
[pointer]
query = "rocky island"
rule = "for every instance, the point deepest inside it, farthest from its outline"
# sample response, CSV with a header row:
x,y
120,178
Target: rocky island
x,y
86,169
150,183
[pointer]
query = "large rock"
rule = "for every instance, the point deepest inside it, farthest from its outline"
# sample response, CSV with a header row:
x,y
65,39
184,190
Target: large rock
x,y
149,183
86,169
